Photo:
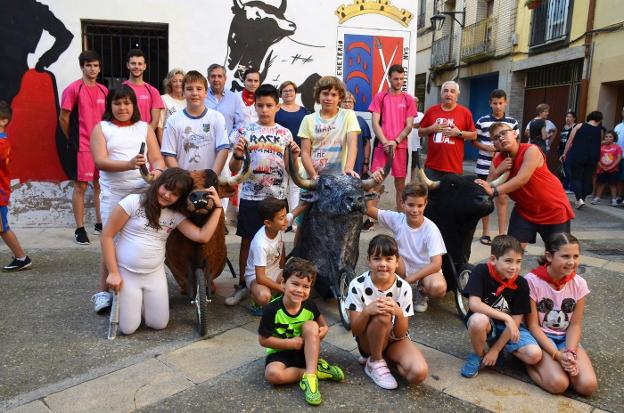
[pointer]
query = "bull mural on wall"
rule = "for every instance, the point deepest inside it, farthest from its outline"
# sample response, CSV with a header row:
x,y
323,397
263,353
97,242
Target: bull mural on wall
x,y
256,26
39,147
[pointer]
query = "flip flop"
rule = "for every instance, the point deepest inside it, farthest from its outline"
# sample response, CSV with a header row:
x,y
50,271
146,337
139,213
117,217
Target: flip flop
x,y
485,240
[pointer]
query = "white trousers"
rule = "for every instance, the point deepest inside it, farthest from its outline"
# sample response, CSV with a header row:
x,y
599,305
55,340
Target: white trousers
x,y
143,295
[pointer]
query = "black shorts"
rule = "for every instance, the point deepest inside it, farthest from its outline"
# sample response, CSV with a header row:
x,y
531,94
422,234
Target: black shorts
x,y
290,358
248,221
609,178
525,231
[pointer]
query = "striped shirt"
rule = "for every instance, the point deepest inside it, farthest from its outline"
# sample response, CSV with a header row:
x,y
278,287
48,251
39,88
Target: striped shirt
x,y
482,168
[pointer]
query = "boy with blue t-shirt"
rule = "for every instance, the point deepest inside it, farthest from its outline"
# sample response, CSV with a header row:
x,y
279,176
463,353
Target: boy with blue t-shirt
x,y
292,329
420,242
20,259
267,143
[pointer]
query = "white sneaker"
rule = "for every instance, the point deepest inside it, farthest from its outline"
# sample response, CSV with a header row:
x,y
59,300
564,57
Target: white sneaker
x,y
379,372
362,360
101,301
614,202
595,201
420,301
579,204
240,293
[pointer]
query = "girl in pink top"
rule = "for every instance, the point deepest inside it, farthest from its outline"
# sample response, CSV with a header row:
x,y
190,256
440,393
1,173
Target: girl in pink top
x,y
556,318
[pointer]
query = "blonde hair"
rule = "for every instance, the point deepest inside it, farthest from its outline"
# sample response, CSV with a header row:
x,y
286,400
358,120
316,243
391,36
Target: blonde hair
x,y
169,77
329,83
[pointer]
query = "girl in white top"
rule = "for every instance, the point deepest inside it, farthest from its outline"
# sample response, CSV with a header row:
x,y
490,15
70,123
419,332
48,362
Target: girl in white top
x,y
133,245
115,146
173,99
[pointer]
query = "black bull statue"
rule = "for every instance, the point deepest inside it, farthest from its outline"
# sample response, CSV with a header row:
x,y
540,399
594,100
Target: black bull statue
x,y
331,226
331,234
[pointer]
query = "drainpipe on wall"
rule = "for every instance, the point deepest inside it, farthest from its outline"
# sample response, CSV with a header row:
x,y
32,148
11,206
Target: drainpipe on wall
x,y
587,61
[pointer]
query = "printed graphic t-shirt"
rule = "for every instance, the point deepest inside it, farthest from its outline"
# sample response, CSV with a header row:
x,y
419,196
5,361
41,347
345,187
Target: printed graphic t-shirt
x,y
278,322
512,302
446,154
266,151
328,138
195,141
555,308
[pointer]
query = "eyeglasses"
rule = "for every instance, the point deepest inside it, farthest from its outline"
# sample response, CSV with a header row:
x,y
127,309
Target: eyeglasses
x,y
502,134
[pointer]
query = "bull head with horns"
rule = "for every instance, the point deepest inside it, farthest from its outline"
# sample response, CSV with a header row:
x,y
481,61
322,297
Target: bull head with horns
x,y
331,227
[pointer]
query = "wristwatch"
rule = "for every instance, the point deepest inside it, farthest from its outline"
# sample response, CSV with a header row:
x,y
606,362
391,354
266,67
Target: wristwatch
x,y
494,192
459,134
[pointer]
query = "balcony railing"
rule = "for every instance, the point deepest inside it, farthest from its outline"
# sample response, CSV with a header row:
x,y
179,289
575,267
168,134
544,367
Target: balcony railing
x,y
442,52
550,22
478,40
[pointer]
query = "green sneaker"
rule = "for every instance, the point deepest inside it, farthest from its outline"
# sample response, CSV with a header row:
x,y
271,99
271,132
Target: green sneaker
x,y
309,385
325,371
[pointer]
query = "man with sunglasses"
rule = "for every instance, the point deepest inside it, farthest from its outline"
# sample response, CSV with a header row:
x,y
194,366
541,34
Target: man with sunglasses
x,y
541,205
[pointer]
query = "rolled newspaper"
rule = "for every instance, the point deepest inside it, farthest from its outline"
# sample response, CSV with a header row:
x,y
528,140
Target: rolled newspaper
x,y
114,317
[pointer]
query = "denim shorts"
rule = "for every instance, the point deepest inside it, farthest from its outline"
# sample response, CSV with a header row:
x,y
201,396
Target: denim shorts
x,y
558,340
526,338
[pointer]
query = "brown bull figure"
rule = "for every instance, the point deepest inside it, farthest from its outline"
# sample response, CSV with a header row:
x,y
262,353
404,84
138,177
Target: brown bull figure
x,y
183,255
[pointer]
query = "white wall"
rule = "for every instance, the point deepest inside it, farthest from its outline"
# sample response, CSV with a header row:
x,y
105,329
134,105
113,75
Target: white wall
x,y
198,32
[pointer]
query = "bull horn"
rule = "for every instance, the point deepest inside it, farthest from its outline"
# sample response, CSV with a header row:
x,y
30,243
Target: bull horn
x,y
370,183
149,178
420,173
308,184
500,180
238,4
282,7
232,181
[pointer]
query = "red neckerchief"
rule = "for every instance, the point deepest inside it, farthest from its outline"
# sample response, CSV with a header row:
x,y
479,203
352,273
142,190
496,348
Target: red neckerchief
x,y
542,272
510,283
122,123
248,97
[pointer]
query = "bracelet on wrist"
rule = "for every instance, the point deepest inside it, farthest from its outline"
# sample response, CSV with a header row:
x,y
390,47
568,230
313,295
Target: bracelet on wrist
x,y
159,169
554,354
238,158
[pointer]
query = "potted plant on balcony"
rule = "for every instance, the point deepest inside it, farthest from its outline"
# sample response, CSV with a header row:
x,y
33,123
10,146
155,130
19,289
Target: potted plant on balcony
x,y
532,4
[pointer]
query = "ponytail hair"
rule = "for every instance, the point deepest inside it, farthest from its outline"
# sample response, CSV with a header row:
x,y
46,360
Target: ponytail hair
x,y
555,243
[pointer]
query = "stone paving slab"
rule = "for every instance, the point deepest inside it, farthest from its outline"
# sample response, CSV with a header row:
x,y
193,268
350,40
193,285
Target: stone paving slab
x,y
206,359
33,407
245,390
122,391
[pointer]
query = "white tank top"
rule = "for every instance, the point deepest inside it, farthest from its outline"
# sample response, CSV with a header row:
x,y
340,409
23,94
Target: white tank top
x,y
123,143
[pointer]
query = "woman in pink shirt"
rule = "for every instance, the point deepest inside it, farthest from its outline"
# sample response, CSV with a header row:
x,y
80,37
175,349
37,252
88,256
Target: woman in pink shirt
x,y
556,319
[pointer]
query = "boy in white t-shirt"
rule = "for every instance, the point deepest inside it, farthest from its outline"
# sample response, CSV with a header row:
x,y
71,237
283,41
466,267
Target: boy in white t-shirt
x,y
421,246
263,273
195,137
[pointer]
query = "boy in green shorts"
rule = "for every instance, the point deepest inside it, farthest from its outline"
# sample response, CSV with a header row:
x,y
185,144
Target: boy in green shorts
x,y
20,259
293,342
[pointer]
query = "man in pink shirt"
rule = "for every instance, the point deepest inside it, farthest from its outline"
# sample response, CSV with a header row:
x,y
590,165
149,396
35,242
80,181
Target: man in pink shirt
x,y
148,97
447,126
393,117
82,104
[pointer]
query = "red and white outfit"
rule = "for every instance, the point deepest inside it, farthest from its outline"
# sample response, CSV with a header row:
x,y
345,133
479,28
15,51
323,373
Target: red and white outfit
x,y
393,110
446,154
87,105
122,144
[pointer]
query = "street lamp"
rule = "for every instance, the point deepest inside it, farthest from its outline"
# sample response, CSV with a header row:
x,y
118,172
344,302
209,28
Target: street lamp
x,y
437,20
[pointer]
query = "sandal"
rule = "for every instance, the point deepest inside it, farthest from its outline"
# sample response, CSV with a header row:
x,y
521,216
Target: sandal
x,y
485,240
